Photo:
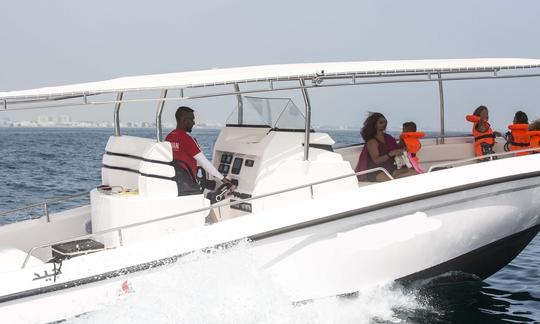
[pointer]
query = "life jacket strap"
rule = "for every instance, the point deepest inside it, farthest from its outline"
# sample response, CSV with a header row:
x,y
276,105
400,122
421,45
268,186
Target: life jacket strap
x,y
477,138
520,144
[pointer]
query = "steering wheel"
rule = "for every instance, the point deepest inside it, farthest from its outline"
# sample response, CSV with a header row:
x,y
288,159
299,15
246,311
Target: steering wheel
x,y
202,179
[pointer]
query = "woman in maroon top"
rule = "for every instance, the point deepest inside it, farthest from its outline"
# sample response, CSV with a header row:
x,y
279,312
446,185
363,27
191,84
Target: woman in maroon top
x,y
379,151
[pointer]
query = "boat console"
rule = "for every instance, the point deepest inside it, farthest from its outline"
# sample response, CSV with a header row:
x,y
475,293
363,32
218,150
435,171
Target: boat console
x,y
262,160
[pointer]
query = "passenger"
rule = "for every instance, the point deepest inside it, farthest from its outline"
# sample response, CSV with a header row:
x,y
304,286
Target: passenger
x,y
410,139
186,150
534,132
519,137
484,136
379,151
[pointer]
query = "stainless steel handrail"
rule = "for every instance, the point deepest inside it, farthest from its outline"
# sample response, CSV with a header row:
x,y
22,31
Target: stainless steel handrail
x,y
307,119
487,156
427,137
218,205
44,204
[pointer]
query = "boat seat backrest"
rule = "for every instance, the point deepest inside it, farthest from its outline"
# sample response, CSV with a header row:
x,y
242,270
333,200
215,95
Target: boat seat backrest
x,y
446,152
121,161
141,164
157,176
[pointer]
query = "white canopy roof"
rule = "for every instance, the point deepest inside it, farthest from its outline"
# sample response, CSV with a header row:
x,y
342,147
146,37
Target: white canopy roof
x,y
268,73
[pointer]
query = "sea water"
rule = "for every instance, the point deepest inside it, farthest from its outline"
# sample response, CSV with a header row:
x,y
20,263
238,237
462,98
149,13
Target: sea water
x,y
225,286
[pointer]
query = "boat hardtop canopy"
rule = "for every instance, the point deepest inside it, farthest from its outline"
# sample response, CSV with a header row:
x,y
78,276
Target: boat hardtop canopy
x,y
270,78
315,72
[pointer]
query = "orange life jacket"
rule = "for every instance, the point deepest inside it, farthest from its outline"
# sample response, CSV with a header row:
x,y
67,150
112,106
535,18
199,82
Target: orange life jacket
x,y
486,137
520,138
535,140
412,142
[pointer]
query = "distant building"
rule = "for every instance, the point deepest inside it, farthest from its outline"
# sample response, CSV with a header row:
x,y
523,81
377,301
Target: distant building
x,y
5,122
104,124
26,123
45,120
64,119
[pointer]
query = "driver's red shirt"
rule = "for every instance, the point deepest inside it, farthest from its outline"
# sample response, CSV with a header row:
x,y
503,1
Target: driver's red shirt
x,y
184,148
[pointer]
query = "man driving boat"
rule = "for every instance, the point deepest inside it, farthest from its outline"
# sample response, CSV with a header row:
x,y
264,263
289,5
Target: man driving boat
x,y
186,151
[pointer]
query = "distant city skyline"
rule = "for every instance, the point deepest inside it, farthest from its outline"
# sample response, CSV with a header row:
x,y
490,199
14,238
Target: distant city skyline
x,y
66,121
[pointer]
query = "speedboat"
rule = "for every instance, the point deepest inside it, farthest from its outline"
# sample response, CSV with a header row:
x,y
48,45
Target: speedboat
x,y
308,222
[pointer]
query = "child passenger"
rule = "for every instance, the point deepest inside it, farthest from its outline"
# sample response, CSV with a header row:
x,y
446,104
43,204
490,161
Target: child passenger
x,y
484,136
519,138
534,132
410,139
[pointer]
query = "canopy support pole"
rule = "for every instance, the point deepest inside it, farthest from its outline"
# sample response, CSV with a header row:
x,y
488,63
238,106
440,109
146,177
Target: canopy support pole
x,y
117,113
240,104
441,107
161,104
308,119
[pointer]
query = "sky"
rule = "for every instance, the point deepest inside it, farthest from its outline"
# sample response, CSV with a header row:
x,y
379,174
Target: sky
x,y
56,42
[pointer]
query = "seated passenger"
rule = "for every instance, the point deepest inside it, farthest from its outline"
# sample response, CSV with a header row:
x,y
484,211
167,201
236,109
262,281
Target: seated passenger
x,y
379,151
410,139
534,132
519,137
187,153
484,136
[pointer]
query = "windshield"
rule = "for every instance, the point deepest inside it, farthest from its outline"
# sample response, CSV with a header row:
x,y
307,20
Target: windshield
x,y
277,113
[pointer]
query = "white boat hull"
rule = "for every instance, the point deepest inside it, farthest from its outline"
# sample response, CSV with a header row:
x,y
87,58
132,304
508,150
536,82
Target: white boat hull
x,y
420,239
315,248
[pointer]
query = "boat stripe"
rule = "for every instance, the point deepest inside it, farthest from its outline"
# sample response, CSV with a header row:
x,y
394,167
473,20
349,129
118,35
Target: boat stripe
x,y
137,158
136,171
91,279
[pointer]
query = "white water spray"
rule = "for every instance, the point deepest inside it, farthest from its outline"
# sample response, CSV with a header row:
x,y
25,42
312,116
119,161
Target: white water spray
x,y
226,287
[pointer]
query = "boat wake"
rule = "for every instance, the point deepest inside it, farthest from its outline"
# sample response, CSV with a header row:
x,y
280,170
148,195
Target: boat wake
x,y
225,286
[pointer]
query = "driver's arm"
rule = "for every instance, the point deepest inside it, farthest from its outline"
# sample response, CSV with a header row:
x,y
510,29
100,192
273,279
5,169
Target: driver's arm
x,y
209,167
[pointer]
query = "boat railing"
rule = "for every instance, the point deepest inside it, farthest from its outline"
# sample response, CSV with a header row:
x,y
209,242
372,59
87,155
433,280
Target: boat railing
x,y
45,205
119,229
476,158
